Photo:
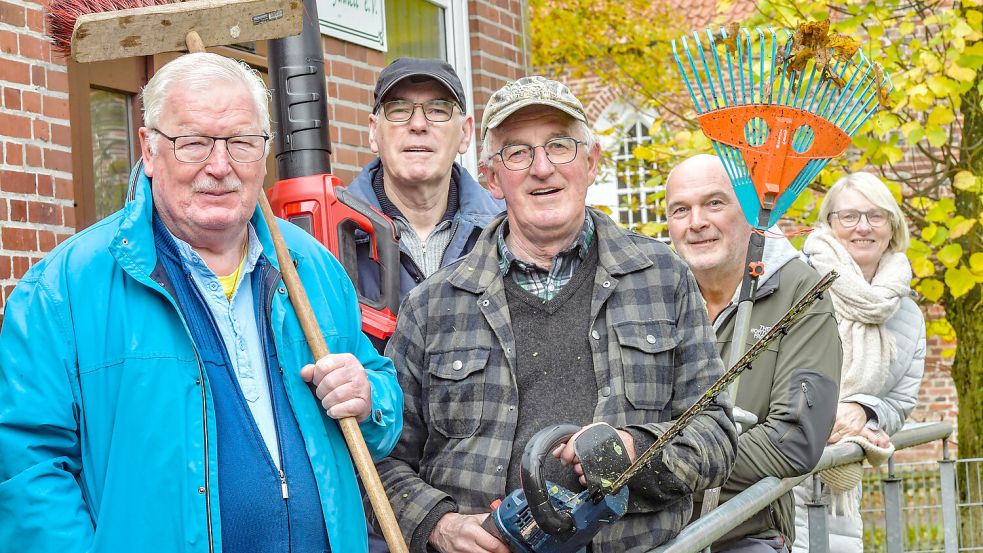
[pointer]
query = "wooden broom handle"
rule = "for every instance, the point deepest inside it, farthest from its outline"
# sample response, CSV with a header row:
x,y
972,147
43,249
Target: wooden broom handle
x,y
349,426
315,340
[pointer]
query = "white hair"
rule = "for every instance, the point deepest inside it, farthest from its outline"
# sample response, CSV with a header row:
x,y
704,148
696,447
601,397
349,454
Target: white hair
x,y
199,72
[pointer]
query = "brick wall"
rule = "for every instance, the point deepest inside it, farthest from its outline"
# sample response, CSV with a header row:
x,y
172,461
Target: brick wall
x,y
36,197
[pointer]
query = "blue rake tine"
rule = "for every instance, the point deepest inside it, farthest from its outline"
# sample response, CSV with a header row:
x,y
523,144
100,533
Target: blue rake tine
x,y
706,71
774,51
761,67
716,63
682,71
696,77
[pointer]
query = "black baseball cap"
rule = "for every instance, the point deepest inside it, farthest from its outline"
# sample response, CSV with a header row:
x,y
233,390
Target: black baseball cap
x,y
418,70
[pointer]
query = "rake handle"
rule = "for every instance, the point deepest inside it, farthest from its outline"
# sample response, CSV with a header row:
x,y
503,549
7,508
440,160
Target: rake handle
x,y
319,348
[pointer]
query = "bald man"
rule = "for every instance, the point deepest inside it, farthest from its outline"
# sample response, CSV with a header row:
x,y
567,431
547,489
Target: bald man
x,y
792,387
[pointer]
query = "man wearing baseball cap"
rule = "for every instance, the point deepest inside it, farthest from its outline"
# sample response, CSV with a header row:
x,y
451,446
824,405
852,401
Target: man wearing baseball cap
x,y
419,123
556,316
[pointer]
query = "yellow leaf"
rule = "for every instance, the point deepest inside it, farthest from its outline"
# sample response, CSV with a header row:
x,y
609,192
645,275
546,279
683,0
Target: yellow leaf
x,y
964,180
950,255
941,86
941,115
644,153
960,281
975,19
929,232
922,267
931,288
976,262
937,136
960,73
960,228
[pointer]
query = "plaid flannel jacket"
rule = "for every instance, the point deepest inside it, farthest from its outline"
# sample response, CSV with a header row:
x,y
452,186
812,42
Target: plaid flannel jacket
x,y
653,352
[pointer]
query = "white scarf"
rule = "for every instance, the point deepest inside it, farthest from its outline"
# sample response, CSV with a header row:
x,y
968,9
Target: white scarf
x,y
862,308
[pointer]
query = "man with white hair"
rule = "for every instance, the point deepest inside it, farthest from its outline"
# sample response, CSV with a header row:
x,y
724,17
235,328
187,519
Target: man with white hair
x,y
556,315
791,387
152,370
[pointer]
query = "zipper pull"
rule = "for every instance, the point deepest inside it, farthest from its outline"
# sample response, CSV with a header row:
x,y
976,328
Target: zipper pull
x,y
283,485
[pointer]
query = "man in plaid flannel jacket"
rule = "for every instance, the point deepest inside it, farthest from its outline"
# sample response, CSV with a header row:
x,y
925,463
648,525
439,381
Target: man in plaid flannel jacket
x,y
557,315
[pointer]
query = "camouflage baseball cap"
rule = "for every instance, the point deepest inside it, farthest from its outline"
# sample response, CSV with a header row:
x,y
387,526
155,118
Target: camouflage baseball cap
x,y
529,91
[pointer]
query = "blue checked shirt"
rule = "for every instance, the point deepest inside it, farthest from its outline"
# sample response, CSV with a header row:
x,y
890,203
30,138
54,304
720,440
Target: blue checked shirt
x,y
545,284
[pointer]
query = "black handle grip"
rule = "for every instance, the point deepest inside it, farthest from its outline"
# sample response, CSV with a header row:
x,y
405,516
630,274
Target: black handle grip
x,y
539,446
386,245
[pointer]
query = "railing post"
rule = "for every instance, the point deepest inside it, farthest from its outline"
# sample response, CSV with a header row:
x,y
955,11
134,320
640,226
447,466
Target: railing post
x,y
950,520
894,525
818,526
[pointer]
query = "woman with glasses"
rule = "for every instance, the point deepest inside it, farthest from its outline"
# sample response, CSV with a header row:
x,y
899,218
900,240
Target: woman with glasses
x,y
862,235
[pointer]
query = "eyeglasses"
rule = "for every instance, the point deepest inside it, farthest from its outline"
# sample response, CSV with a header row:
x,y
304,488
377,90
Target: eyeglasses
x,y
849,218
194,148
518,157
435,111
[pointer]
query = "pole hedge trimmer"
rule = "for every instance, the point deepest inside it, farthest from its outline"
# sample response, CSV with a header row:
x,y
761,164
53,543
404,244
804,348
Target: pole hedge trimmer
x,y
776,114
543,517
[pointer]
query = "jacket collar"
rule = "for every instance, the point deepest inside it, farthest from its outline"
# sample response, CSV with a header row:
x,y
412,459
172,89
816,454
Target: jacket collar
x,y
476,204
617,254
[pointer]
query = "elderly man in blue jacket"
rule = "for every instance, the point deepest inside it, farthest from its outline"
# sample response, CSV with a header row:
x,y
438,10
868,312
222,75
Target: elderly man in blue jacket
x,y
419,123
152,370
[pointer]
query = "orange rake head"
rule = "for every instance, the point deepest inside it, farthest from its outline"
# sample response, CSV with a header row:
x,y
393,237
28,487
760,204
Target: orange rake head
x,y
775,118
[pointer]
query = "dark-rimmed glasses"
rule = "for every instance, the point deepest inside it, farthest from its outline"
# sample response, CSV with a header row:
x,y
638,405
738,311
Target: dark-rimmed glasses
x,y
559,151
435,111
850,218
195,148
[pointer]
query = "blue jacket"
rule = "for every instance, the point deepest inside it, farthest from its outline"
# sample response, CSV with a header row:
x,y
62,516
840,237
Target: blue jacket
x,y
107,424
477,209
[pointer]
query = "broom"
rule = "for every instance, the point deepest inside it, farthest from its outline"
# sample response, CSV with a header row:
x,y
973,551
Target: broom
x,y
94,30
776,114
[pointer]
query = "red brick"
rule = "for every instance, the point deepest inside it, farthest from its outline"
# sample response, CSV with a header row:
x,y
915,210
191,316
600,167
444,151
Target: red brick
x,y
18,182
15,71
18,211
4,210
56,108
46,186
6,267
13,153
32,47
47,240
40,130
31,101
68,216
64,189
11,99
8,42
58,81
38,76
12,15
33,156
57,160
61,135
15,126
62,237
20,265
44,213
35,21
19,239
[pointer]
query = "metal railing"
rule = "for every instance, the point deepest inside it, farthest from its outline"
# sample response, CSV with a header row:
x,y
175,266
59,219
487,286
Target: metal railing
x,y
921,506
710,527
